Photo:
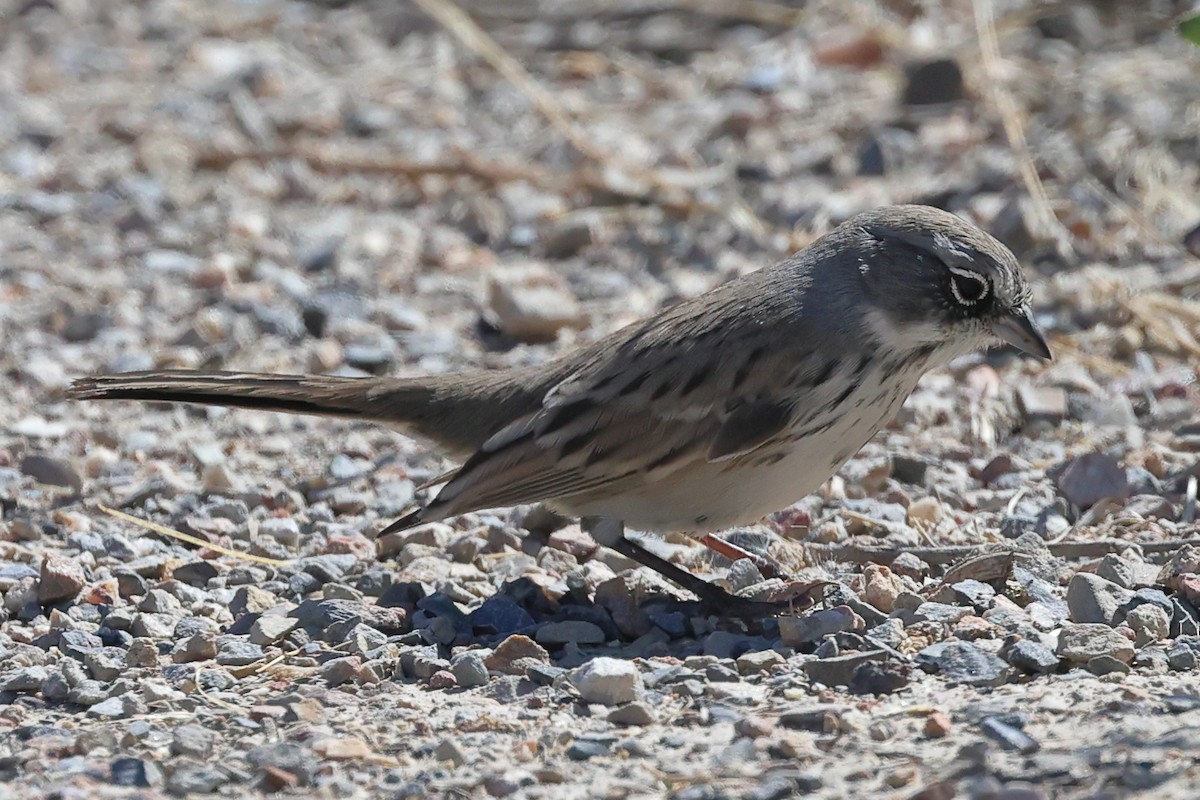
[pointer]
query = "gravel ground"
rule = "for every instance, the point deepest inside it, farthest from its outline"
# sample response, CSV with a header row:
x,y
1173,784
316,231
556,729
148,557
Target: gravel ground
x,y
366,188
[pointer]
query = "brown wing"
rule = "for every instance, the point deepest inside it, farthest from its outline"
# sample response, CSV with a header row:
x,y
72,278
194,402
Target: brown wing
x,y
631,416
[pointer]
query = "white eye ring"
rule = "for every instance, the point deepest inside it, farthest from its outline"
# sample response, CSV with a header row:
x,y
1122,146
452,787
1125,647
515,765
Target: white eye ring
x,y
965,298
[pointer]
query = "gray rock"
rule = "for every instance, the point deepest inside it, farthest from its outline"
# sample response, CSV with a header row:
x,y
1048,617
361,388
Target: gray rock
x,y
158,601
608,681
1092,599
239,653
557,634
1079,644
1092,477
189,779
942,613
55,688
1107,665
840,670
743,574
88,692
1117,570
1030,656
25,679
469,669
289,757
364,639
1149,623
135,772
795,631
1182,657
51,471
153,626
112,708
1008,735
200,647
974,593
758,661
636,713
963,662
192,740
105,663
340,670
270,629
721,673
449,751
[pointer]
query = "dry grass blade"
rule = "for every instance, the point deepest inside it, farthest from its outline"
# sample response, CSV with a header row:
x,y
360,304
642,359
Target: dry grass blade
x,y
185,537
470,34
1014,129
1171,323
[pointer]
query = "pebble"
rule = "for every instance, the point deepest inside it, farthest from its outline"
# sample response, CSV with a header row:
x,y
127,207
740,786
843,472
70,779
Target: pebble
x,y
937,725
1149,623
795,631
932,82
758,661
514,654
1030,656
634,713
966,663
1091,478
270,629
608,681
1092,599
1042,404
192,740
1083,642
532,303
61,578
469,670
881,587
51,472
337,671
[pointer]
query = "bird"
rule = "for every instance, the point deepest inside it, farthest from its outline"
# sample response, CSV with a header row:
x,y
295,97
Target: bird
x,y
714,413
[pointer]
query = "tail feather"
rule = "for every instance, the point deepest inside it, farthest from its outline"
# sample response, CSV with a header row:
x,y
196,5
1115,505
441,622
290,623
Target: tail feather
x,y
299,394
409,520
457,412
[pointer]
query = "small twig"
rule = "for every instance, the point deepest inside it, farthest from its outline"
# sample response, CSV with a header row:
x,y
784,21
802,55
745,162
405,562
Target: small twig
x,y
187,537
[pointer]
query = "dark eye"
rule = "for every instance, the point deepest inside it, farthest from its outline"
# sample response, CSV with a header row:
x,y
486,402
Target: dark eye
x,y
968,287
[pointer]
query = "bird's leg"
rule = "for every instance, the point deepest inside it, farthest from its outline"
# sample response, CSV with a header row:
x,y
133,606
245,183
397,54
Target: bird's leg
x,y
611,533
733,553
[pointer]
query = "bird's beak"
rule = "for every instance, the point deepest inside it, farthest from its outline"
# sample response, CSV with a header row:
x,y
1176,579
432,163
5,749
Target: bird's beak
x,y
1018,329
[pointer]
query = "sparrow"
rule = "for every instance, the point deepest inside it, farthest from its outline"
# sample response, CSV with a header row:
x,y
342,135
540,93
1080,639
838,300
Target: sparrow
x,y
716,412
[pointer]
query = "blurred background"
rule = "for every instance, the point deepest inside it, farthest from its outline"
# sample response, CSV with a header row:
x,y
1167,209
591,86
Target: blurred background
x,y
375,186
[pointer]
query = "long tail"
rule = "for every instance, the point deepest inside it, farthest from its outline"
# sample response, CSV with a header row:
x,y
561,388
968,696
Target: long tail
x,y
364,398
457,412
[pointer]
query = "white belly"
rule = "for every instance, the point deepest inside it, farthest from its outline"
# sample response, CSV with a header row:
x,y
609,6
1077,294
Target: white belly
x,y
713,496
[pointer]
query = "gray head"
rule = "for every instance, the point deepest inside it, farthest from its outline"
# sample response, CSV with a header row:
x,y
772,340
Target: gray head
x,y
935,281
